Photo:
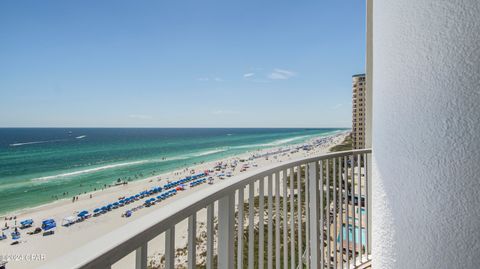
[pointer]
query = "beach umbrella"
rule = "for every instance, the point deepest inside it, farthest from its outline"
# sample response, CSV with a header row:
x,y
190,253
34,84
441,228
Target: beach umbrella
x,y
82,214
48,224
96,210
27,222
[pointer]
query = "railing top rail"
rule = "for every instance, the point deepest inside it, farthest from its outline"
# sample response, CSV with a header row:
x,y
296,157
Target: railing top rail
x,y
111,247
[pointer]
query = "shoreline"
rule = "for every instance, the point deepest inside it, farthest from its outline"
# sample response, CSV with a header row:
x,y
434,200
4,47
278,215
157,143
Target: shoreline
x,y
66,239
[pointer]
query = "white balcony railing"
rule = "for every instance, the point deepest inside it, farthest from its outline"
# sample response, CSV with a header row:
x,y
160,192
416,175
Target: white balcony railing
x,y
311,213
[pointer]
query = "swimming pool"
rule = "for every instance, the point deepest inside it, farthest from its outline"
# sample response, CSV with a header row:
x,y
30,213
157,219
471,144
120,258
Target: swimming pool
x,y
350,234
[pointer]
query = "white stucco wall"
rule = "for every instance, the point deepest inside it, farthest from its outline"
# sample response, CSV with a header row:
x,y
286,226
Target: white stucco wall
x,y
426,134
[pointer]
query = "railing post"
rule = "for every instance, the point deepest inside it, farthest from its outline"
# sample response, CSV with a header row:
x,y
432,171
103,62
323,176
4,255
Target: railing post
x,y
210,236
226,224
313,202
170,248
270,223
368,185
261,236
277,220
240,228
251,224
141,257
192,241
299,216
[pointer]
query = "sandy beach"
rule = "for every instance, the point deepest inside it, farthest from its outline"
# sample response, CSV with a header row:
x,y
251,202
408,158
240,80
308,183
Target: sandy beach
x,y
34,250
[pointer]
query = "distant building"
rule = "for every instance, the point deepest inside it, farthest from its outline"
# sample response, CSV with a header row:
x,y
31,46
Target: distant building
x,y
358,111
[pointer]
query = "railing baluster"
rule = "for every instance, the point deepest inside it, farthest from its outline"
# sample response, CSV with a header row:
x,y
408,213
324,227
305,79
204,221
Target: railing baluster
x,y
192,241
240,229
353,210
341,188
277,220
314,215
347,204
327,212
366,162
226,222
270,224
335,203
307,222
141,257
299,215
292,219
261,236
170,248
210,235
322,217
251,224
359,207
285,218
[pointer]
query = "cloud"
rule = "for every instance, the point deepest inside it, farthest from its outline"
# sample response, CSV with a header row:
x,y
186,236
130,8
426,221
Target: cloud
x,y
224,112
218,79
203,79
247,75
281,74
139,116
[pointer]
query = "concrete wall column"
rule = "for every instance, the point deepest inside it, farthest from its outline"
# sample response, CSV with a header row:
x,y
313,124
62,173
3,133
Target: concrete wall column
x,y
426,134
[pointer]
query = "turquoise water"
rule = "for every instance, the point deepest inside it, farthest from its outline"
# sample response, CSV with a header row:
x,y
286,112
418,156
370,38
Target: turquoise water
x,y
39,165
350,234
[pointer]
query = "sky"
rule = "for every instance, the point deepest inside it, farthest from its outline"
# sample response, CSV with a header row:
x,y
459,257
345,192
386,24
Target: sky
x,y
179,63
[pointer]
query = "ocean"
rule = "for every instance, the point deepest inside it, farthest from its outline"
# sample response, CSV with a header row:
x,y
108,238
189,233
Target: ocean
x,y
37,165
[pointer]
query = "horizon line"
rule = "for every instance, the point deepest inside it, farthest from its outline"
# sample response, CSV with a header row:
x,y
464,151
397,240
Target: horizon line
x,y
144,127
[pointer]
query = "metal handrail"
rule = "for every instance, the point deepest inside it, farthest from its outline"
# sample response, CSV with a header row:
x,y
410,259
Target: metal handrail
x,y
108,249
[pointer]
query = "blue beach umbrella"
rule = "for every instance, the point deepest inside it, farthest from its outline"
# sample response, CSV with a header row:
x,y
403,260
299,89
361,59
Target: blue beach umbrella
x,y
82,214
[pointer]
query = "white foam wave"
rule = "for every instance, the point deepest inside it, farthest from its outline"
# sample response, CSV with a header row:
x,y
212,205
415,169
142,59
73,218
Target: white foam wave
x,y
287,140
35,142
208,152
272,144
80,137
28,143
90,170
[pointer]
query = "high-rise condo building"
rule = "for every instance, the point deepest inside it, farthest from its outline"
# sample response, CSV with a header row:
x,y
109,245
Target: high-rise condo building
x,y
358,111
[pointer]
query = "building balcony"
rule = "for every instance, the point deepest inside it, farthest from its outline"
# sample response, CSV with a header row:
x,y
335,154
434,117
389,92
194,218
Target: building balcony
x,y
310,212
